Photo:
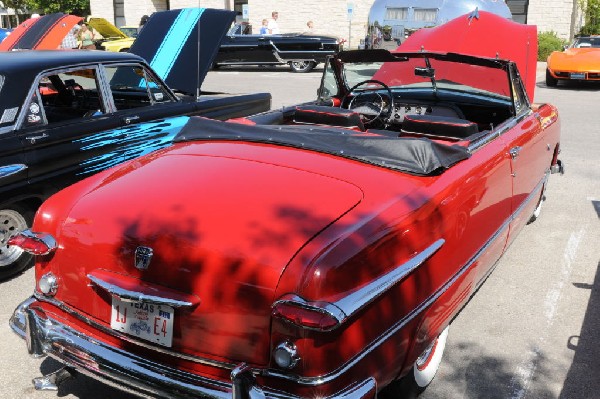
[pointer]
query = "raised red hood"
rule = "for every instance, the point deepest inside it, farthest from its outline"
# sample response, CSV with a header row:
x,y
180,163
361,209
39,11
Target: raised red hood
x,y
222,229
487,35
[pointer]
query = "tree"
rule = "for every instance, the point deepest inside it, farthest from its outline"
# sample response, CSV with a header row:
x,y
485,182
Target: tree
x,y
591,10
81,7
19,5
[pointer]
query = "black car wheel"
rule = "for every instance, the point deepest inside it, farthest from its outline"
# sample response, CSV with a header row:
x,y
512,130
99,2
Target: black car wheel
x,y
302,66
551,81
13,260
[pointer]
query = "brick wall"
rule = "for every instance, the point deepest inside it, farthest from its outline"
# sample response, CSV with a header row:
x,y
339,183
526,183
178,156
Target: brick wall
x,y
555,15
103,9
329,17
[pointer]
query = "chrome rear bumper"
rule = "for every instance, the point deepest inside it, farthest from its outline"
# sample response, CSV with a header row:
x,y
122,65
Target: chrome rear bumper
x,y
136,375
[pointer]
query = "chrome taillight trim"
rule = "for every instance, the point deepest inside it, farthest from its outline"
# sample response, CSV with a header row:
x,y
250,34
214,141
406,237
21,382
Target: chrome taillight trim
x,y
129,295
359,299
351,304
44,238
321,307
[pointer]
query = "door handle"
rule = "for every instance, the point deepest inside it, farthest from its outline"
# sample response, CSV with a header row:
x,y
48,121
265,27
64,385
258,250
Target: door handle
x,y
33,139
514,152
129,119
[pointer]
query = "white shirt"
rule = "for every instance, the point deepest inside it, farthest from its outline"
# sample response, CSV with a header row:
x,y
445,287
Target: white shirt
x,y
273,27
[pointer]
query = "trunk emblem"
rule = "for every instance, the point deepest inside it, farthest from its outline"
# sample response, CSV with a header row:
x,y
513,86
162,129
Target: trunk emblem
x,y
143,256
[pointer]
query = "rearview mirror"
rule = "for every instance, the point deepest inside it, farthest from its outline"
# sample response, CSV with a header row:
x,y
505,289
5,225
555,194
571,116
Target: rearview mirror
x,y
425,72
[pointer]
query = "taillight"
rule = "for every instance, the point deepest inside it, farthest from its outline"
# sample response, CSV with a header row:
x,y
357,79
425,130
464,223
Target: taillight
x,y
321,316
34,243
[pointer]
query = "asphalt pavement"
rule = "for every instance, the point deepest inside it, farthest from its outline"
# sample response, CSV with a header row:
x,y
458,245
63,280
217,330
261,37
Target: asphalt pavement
x,y
532,330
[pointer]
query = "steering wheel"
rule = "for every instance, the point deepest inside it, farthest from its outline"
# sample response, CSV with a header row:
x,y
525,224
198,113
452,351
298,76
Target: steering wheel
x,y
372,106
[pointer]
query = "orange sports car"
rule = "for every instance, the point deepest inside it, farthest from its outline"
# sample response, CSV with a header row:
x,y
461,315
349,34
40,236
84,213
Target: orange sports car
x,y
579,61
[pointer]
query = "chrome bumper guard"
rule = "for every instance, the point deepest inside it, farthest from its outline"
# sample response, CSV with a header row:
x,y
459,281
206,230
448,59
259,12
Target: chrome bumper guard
x,y
47,337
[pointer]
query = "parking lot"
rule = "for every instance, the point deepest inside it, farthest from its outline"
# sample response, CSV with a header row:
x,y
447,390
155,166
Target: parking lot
x,y
532,331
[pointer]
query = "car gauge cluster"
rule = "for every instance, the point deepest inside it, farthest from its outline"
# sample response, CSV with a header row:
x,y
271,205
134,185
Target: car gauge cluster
x,y
402,109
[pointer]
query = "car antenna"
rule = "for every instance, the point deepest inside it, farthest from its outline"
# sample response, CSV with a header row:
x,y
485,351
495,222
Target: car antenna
x,y
198,61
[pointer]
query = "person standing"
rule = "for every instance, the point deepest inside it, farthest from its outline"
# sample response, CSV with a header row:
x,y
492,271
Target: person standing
x,y
86,36
310,28
264,29
273,27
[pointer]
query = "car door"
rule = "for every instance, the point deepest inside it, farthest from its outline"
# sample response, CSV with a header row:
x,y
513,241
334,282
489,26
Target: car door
x,y
63,125
13,169
246,49
150,115
526,149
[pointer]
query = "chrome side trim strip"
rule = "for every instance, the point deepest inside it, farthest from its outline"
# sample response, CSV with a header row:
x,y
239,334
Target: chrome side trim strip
x,y
128,295
10,170
315,381
364,296
346,307
131,339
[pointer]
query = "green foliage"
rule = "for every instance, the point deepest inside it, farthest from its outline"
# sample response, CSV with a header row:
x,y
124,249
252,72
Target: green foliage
x,y
80,7
587,30
547,43
591,10
20,5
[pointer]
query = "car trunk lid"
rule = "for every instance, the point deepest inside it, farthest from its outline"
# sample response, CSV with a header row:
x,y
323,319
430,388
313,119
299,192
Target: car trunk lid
x,y
221,231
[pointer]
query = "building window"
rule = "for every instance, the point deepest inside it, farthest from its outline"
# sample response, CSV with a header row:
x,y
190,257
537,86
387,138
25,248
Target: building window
x,y
119,7
396,14
426,14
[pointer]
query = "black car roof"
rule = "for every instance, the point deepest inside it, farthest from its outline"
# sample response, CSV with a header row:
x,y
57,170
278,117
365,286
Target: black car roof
x,y
18,70
37,60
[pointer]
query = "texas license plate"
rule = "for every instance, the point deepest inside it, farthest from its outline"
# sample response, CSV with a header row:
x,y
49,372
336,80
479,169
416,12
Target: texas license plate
x,y
147,321
577,75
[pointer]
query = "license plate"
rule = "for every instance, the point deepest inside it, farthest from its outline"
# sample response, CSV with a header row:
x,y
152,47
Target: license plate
x,y
578,76
147,321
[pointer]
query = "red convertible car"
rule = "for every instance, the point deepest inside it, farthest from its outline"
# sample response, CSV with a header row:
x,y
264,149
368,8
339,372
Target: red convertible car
x,y
316,251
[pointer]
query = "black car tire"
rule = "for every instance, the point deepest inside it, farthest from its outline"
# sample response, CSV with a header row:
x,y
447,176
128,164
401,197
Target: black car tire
x,y
13,219
302,66
551,81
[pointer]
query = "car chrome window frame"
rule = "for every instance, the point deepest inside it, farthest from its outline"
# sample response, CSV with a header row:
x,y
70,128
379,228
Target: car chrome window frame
x,y
148,72
36,84
328,72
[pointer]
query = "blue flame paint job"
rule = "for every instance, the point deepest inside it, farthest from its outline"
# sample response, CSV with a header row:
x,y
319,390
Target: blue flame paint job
x,y
129,142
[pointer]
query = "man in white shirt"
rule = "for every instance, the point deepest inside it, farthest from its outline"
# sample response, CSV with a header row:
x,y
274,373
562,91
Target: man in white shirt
x,y
273,27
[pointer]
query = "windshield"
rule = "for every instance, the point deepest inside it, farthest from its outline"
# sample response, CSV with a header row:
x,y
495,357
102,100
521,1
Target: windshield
x,y
587,42
418,73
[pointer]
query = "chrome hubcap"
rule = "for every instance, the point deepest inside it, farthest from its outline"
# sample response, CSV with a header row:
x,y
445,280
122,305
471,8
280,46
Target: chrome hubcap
x,y
300,64
424,358
11,223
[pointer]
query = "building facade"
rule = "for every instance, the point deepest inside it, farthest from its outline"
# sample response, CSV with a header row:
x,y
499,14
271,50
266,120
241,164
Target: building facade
x,y
345,19
10,18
